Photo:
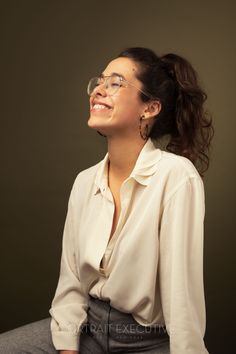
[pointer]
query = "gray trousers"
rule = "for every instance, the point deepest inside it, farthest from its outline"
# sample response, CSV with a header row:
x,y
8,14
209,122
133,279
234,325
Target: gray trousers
x,y
107,331
34,338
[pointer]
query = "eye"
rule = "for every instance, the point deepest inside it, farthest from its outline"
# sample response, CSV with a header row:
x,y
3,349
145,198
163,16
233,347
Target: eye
x,y
115,82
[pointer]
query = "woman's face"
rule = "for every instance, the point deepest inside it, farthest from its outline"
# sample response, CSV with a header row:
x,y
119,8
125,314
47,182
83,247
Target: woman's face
x,y
124,107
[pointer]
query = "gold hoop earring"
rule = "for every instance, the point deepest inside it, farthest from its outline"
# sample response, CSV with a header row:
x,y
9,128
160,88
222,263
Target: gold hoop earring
x,y
145,135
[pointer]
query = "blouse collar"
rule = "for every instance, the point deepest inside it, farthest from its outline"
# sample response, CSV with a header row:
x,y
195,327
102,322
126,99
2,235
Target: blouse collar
x,y
145,166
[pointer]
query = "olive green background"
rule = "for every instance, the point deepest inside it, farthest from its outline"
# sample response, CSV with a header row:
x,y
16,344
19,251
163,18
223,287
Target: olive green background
x,y
49,50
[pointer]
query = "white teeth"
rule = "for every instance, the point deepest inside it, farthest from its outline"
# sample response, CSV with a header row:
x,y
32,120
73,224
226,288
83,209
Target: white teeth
x,y
99,106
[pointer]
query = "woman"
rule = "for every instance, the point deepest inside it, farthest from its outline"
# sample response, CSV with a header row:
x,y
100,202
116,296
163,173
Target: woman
x,y
131,277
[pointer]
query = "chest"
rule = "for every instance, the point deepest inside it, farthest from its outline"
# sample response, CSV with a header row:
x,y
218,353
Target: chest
x,y
129,218
115,191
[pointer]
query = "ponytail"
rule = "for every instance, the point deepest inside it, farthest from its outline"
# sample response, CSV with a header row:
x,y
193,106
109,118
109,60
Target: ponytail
x,y
172,79
194,129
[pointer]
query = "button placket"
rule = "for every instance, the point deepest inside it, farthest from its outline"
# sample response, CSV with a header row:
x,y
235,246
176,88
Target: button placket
x,y
125,192
106,226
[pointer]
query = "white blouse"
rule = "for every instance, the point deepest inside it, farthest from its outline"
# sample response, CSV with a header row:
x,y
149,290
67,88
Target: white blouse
x,y
152,266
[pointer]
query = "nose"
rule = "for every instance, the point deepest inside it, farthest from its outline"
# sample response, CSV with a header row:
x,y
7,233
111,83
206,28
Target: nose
x,y
100,90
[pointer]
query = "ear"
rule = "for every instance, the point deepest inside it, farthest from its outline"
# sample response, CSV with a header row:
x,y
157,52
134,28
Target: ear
x,y
152,109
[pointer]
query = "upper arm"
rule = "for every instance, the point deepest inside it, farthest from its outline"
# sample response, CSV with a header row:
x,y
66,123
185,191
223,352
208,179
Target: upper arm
x,y
181,265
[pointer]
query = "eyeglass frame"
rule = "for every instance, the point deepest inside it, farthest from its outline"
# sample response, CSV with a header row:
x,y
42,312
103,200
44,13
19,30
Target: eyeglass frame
x,y
122,79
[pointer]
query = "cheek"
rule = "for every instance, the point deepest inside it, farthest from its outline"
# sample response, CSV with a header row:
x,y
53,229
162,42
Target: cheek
x,y
129,109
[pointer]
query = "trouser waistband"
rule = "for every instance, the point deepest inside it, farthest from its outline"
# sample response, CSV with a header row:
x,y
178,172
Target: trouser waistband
x,y
125,316
109,330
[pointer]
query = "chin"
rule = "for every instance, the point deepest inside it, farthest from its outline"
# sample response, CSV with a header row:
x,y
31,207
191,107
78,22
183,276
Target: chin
x,y
98,123
95,123
103,131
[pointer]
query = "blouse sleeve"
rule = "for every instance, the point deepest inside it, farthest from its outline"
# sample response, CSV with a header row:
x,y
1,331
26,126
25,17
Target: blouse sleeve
x,y
181,268
69,306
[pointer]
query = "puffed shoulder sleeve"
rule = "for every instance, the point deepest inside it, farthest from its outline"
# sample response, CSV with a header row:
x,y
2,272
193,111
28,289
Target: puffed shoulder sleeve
x,y
181,267
69,306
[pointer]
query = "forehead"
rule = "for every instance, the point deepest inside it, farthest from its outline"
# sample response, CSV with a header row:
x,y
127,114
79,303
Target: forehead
x,y
123,66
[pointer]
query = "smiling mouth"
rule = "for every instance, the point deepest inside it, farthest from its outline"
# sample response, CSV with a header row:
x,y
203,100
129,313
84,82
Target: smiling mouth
x,y
100,107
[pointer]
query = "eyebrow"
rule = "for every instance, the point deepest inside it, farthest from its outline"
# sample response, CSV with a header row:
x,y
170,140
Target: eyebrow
x,y
120,75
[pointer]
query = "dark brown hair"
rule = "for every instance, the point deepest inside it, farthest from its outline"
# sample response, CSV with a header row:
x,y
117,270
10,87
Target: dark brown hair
x,y
173,80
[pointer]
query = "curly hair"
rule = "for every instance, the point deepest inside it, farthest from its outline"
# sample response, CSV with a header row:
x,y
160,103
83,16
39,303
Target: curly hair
x,y
171,79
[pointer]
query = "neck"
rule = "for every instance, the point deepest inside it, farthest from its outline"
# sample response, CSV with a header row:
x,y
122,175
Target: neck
x,y
123,154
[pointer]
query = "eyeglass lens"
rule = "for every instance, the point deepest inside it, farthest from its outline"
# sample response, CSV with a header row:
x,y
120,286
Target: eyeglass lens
x,y
112,84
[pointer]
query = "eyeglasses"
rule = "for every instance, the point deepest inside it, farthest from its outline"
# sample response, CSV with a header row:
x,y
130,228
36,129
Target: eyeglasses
x,y
112,84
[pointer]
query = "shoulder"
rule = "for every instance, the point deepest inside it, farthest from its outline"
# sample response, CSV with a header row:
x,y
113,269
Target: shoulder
x,y
177,173
177,165
177,162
